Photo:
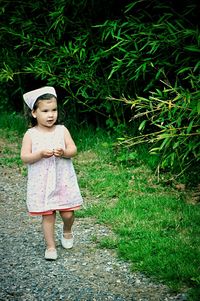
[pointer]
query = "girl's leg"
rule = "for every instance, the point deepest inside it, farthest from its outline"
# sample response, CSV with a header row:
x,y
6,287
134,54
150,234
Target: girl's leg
x,y
68,220
48,224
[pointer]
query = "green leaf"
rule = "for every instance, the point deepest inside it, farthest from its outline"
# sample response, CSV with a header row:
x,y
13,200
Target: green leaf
x,y
198,107
142,125
192,48
183,70
190,127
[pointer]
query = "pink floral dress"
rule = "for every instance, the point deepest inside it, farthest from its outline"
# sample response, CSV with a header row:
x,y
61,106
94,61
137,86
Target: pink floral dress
x,y
52,182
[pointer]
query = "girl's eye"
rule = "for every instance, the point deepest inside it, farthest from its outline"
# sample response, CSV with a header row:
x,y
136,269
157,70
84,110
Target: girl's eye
x,y
54,110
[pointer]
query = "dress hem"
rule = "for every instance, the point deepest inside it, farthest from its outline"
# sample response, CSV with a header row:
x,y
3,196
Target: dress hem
x,y
49,212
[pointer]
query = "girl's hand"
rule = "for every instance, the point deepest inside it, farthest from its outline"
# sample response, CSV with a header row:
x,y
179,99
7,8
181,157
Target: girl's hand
x,y
47,153
58,152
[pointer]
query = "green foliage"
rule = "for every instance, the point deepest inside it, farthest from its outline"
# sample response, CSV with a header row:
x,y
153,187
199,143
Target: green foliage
x,y
173,114
105,59
193,294
56,46
89,61
146,47
151,51
13,122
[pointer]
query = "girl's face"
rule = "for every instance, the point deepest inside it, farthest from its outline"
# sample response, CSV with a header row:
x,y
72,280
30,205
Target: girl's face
x,y
46,113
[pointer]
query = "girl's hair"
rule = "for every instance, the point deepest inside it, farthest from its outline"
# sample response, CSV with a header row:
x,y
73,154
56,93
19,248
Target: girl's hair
x,y
46,96
43,97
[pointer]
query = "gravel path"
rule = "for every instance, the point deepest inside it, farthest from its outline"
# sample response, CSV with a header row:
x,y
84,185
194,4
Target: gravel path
x,y
85,273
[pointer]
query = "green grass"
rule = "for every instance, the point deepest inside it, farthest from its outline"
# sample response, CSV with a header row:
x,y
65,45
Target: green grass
x,y
13,122
154,227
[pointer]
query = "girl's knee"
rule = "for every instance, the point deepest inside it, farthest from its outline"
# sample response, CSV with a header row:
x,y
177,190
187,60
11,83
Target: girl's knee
x,y
49,217
67,214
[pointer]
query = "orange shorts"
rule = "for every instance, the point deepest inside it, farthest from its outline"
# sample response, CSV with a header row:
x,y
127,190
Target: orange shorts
x,y
49,212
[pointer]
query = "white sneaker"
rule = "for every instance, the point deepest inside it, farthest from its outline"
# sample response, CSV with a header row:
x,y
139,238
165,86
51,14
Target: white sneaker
x,y
50,254
67,243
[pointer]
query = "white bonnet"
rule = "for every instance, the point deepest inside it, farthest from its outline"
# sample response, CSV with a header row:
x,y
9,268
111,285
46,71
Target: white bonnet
x,y
31,97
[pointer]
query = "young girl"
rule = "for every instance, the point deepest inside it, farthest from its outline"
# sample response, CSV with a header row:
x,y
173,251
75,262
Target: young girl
x,y
52,185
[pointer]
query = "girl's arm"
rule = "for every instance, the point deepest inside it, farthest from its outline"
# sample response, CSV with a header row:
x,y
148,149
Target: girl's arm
x,y
70,147
26,151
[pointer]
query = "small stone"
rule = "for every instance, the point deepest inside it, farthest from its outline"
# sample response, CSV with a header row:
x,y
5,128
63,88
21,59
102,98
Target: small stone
x,y
137,281
108,269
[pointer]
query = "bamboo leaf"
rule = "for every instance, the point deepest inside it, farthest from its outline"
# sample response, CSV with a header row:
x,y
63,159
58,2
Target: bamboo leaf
x,y
192,48
197,66
190,127
142,125
183,70
198,107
